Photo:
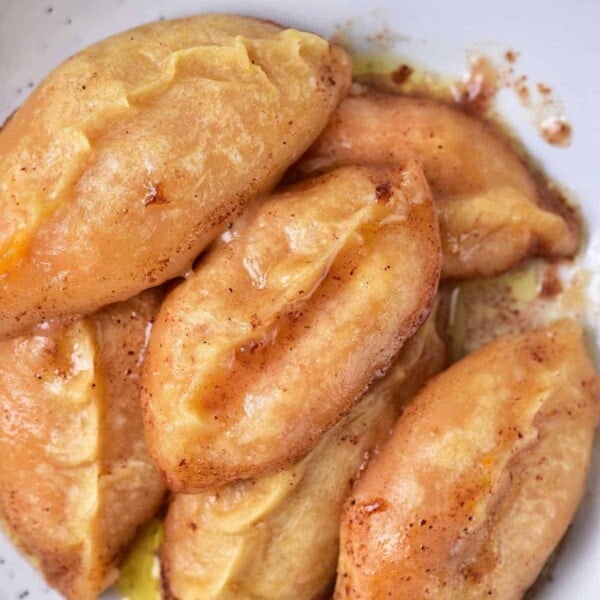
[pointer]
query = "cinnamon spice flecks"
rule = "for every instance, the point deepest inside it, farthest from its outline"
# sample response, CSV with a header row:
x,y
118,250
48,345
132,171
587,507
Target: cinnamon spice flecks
x,y
479,87
402,73
556,131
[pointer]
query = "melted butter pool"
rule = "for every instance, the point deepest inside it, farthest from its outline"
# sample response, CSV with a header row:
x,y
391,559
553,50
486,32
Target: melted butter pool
x,y
532,295
482,309
140,572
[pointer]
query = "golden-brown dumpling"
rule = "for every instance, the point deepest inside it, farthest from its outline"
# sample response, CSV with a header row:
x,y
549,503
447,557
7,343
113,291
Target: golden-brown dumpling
x,y
76,481
492,213
277,537
481,478
286,321
132,155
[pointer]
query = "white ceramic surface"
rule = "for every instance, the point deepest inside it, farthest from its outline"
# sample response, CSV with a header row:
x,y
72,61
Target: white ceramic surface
x,y
559,44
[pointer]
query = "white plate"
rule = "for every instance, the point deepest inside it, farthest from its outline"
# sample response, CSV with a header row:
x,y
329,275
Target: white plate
x,y
559,44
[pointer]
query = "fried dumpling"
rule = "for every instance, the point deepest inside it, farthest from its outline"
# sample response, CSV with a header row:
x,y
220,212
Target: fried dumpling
x,y
290,519
492,213
481,478
76,481
131,156
286,321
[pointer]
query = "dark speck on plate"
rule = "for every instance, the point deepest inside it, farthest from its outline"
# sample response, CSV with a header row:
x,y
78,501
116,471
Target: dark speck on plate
x,y
49,9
